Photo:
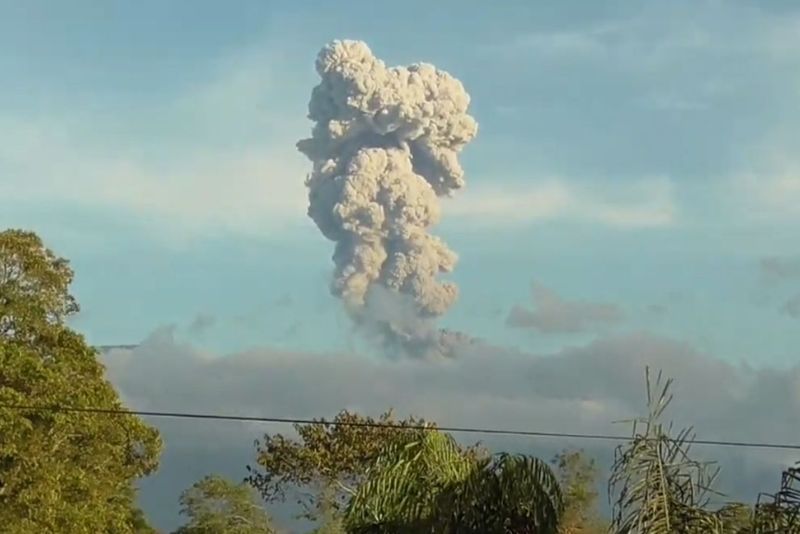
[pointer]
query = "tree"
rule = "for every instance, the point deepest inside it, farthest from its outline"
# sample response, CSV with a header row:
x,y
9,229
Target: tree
x,y
328,461
431,485
329,519
405,483
215,505
60,471
138,522
778,513
577,476
34,287
660,489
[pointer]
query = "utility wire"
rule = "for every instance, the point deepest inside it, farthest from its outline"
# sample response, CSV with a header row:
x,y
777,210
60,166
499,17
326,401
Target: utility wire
x,y
376,424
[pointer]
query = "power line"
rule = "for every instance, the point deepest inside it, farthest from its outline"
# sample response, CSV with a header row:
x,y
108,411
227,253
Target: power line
x,y
451,429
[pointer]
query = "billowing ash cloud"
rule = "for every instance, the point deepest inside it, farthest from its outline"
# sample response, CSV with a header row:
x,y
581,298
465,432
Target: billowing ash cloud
x,y
384,147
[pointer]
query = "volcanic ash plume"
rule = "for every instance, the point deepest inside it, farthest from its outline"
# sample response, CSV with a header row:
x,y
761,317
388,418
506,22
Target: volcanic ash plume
x,y
384,147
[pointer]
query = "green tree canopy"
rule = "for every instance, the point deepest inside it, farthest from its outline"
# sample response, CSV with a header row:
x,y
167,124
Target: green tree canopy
x,y
577,476
432,485
34,287
60,471
327,461
215,505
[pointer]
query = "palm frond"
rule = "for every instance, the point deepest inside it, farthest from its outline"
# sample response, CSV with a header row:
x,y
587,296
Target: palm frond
x,y
431,485
780,513
402,486
659,488
509,494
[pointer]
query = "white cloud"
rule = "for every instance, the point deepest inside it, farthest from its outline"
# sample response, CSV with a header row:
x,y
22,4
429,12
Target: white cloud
x,y
236,84
678,55
768,195
781,193
257,190
648,39
644,204
219,157
247,190
782,36
660,33
583,43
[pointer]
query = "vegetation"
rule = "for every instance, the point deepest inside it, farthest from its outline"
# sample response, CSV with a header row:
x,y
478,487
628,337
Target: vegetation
x,y
431,485
59,471
577,476
659,488
215,505
74,471
325,465
329,519
423,481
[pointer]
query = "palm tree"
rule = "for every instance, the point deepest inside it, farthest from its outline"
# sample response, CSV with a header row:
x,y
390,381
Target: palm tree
x,y
778,513
657,488
432,485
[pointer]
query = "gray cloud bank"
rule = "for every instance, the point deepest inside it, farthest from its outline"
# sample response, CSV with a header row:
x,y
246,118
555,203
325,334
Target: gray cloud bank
x,y
780,268
580,389
202,323
555,314
792,307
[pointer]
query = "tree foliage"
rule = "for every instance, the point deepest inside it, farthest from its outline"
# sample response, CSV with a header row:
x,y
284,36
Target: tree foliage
x,y
329,519
780,512
59,471
34,287
404,484
215,505
327,461
432,485
659,488
577,476
421,480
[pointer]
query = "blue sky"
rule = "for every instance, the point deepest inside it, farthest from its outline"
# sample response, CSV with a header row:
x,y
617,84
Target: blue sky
x,y
639,157
642,154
